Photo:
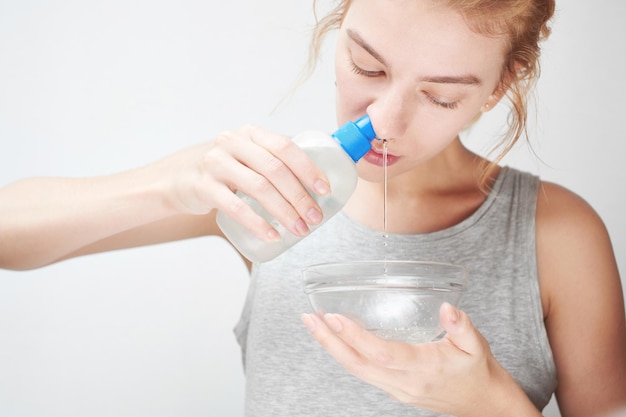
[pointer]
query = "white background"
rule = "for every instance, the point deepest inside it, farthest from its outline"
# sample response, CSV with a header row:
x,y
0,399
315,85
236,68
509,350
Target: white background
x,y
90,88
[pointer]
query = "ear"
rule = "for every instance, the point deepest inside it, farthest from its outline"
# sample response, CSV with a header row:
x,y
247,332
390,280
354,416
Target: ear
x,y
499,92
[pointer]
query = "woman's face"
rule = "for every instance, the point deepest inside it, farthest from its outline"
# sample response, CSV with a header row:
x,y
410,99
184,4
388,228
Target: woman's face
x,y
420,74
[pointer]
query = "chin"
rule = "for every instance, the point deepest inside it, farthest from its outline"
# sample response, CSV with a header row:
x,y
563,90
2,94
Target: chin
x,y
371,173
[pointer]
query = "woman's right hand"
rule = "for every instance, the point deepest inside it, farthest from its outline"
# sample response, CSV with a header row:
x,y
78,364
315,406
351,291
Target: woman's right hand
x,y
44,220
266,166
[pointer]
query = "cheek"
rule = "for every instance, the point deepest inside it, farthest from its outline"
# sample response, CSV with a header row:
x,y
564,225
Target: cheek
x,y
444,124
442,129
432,135
430,132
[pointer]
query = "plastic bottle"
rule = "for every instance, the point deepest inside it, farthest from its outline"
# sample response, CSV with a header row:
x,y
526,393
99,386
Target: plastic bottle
x,y
336,156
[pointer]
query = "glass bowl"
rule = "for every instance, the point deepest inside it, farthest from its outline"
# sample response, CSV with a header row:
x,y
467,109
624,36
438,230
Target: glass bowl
x,y
396,300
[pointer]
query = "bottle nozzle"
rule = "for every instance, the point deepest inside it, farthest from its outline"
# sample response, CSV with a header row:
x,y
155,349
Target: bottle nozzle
x,y
365,126
355,137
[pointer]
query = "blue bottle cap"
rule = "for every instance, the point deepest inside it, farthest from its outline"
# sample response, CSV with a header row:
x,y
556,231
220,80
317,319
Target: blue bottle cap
x,y
355,137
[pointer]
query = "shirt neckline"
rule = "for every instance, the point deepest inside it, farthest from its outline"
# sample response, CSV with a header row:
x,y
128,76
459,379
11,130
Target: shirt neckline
x,y
455,229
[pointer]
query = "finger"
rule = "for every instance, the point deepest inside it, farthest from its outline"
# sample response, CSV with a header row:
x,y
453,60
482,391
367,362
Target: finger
x,y
294,157
291,171
231,174
460,331
242,213
385,353
260,189
350,359
275,179
256,172
326,337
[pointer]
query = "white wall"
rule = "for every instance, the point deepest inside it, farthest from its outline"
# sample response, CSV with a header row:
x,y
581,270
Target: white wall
x,y
89,88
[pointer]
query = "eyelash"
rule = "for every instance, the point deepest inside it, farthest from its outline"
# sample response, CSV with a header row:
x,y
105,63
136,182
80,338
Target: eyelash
x,y
360,71
444,104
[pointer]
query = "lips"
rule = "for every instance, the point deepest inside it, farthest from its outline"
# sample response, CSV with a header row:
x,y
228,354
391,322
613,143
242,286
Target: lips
x,y
375,157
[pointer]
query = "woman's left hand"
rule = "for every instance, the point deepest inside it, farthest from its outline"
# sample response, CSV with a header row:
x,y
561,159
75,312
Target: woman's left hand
x,y
456,375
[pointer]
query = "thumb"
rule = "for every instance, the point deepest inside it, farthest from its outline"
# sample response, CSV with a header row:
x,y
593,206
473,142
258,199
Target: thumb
x,y
460,331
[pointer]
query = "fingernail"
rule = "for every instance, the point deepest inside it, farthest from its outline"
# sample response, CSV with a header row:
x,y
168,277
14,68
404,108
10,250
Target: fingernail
x,y
333,322
273,235
308,322
321,187
314,215
301,227
454,313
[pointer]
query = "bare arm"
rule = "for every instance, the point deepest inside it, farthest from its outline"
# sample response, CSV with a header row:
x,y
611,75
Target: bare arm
x,y
43,220
583,304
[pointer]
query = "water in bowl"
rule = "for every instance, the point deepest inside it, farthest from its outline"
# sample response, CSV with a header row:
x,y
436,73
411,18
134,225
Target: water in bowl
x,y
408,314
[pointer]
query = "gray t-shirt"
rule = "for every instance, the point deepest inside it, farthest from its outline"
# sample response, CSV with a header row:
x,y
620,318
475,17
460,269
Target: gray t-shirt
x,y
289,374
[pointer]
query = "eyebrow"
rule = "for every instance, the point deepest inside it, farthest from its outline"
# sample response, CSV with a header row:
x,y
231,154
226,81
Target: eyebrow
x,y
361,42
462,79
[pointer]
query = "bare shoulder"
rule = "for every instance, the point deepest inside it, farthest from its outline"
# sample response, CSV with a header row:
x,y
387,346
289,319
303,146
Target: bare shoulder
x,y
570,233
562,215
573,245
583,302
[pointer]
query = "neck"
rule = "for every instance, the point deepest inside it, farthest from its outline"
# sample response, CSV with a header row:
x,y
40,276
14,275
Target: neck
x,y
432,196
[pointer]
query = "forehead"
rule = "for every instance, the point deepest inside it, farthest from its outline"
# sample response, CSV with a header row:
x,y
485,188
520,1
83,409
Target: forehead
x,y
424,33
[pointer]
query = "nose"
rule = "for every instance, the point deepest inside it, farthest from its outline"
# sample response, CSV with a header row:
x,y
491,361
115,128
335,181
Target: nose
x,y
390,114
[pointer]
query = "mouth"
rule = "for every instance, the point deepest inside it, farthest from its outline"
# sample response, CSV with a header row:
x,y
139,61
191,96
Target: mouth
x,y
375,157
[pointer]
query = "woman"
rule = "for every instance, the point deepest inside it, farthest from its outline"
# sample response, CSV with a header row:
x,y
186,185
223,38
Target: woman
x,y
533,322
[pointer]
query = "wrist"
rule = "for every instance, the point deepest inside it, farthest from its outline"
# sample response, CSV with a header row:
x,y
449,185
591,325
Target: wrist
x,y
509,398
177,184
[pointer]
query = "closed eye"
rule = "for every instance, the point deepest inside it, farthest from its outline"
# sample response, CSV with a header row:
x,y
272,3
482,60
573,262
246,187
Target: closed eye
x,y
367,73
451,105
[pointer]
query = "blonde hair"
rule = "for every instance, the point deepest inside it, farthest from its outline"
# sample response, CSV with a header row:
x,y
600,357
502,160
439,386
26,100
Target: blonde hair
x,y
525,23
